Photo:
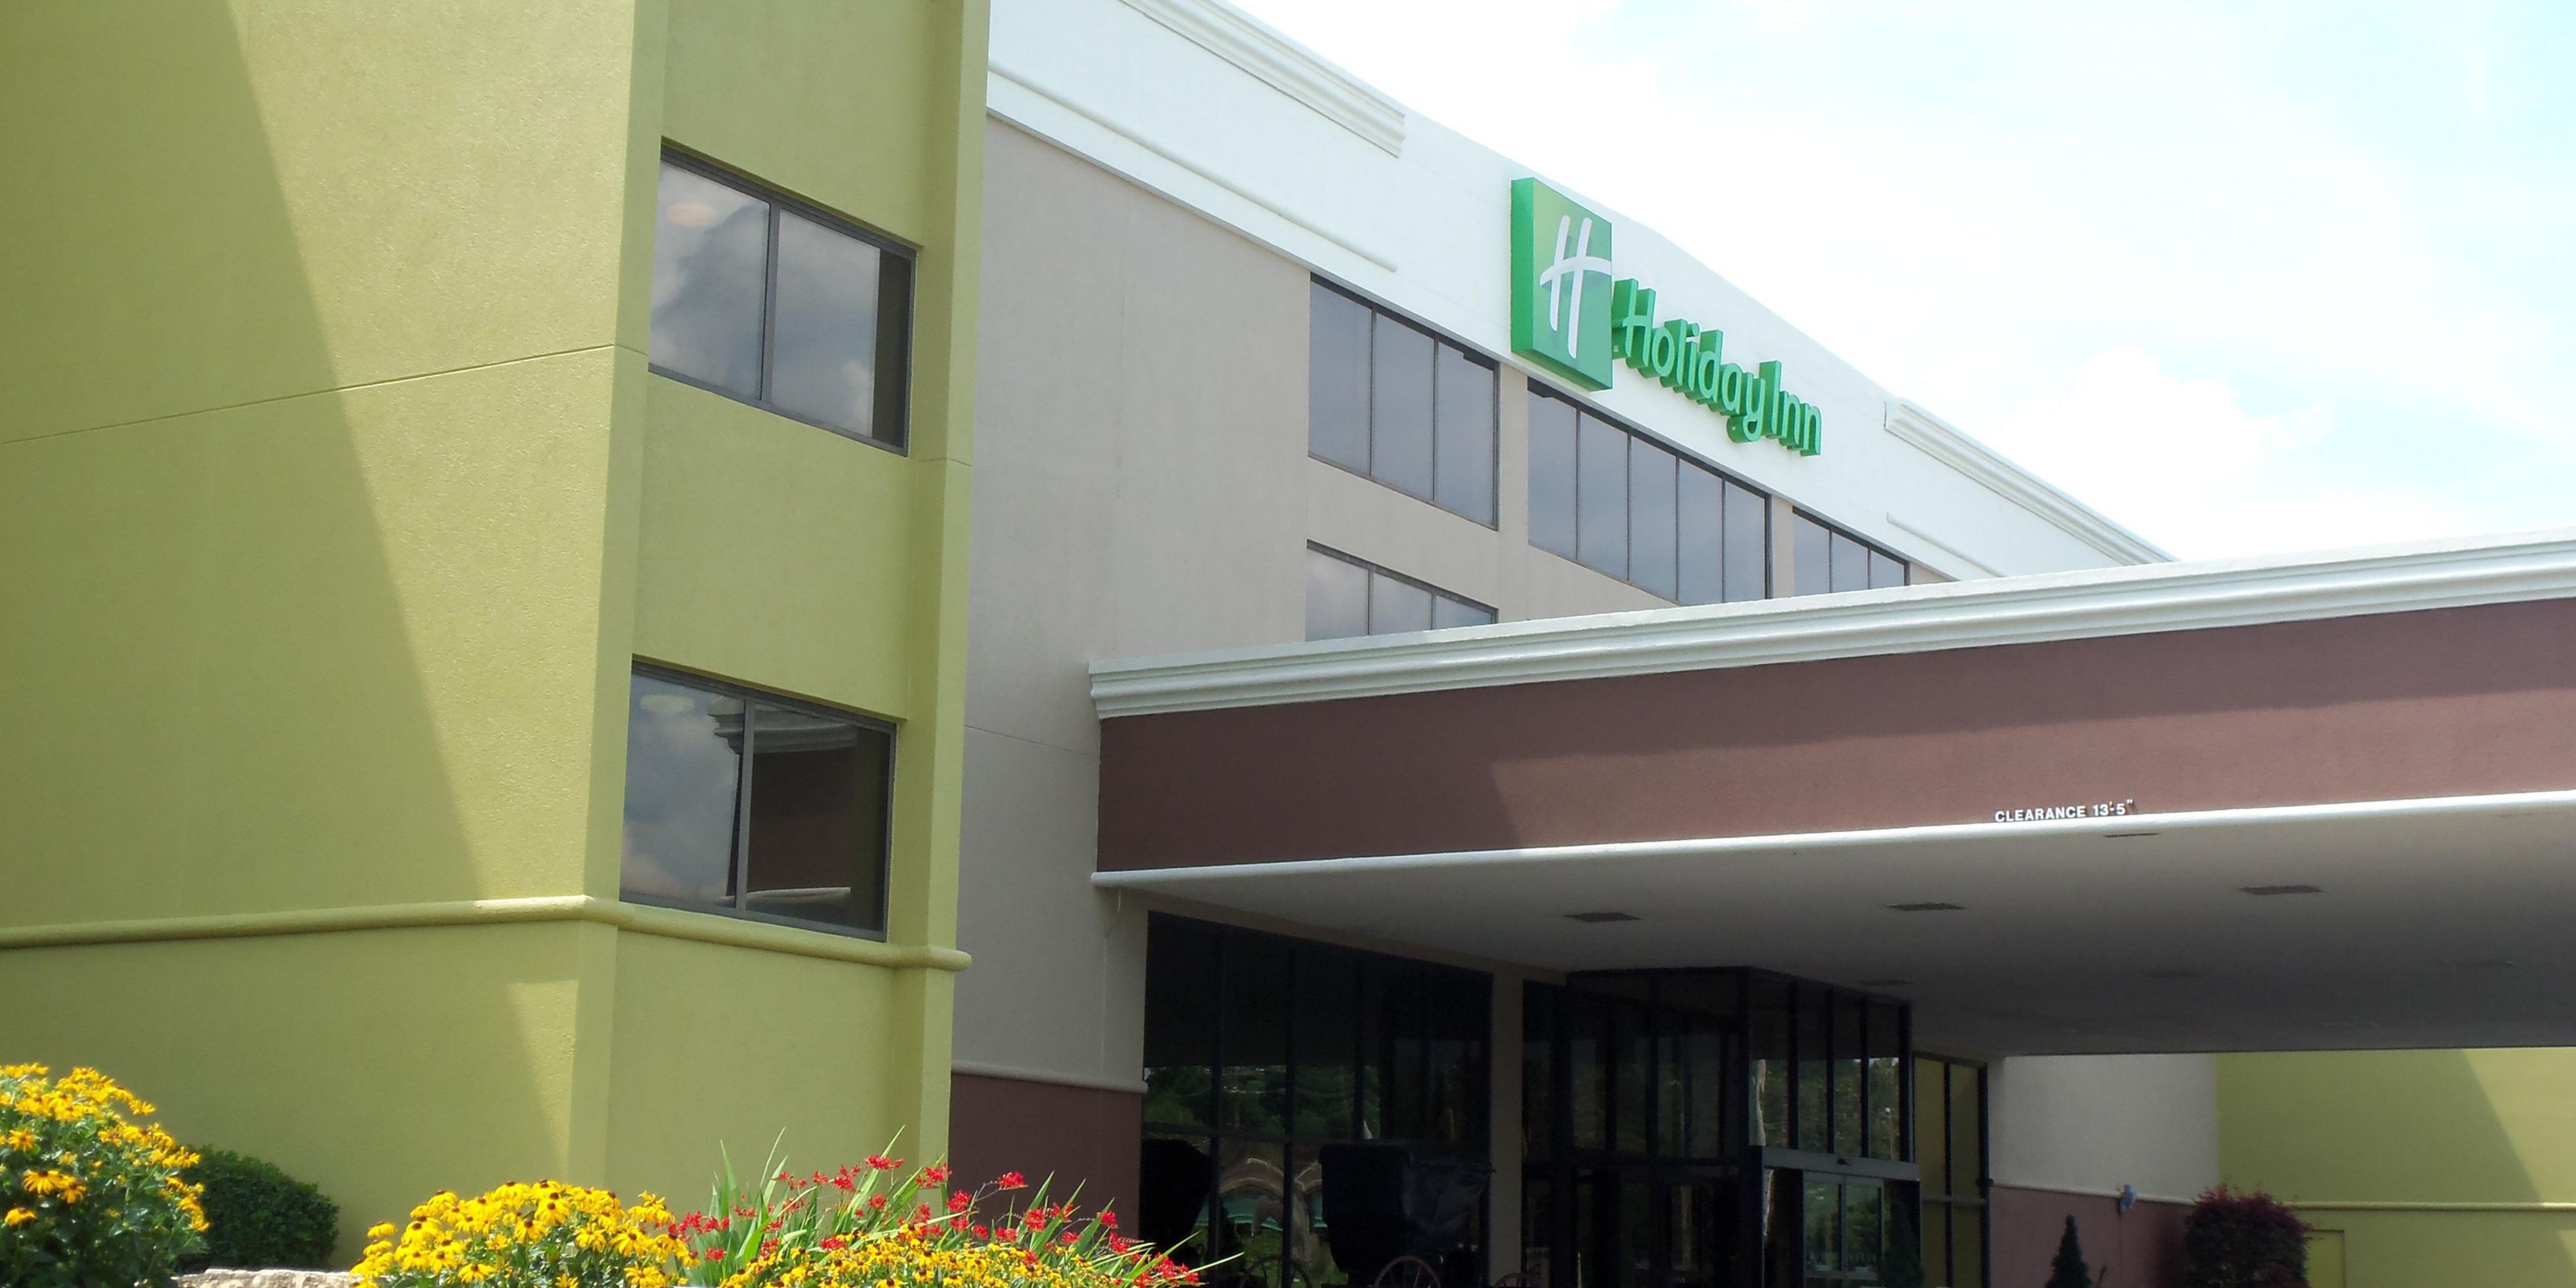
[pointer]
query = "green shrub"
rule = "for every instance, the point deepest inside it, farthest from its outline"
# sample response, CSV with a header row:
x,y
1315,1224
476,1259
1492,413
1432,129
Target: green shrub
x,y
2243,1239
258,1217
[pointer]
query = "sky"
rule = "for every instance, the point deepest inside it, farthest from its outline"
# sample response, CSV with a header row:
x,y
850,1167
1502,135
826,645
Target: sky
x,y
2245,277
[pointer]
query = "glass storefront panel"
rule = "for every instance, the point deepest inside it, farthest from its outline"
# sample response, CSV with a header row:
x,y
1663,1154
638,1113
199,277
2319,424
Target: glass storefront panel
x,y
1767,1030
1264,1055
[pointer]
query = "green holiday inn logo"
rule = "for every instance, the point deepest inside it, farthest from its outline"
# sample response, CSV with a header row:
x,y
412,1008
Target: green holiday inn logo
x,y
1572,314
1560,284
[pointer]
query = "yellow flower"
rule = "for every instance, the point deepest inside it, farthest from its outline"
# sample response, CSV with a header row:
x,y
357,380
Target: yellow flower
x,y
18,1216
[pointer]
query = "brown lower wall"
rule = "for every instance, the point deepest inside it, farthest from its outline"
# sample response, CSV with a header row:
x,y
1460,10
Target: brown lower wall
x,y
2448,702
1083,1136
2140,1249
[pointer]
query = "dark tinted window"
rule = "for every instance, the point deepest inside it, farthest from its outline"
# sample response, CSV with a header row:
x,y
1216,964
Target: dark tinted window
x,y
1390,400
1400,437
1601,477
1748,543
1701,518
1463,405
1337,379
1652,551
779,306
1830,559
1885,570
1623,504
1813,553
1337,597
736,802
1346,597
1551,482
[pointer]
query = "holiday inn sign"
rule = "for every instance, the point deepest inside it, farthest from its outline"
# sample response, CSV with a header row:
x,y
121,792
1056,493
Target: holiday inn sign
x,y
1573,314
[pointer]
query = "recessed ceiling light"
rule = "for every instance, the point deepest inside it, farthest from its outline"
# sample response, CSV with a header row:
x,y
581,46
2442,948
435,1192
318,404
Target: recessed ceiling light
x,y
1598,917
2172,972
2280,889
1930,906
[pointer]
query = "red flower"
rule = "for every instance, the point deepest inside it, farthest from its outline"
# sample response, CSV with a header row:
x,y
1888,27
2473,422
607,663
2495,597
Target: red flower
x,y
835,1243
960,1201
1070,1238
1119,1243
1108,1218
876,1203
883,1163
982,1232
1036,1217
1013,1181
933,1174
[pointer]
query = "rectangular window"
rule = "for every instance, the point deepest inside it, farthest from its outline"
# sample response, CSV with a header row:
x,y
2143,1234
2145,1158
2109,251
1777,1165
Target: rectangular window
x,y
1390,400
1949,1122
1271,1061
1621,503
743,803
1346,597
763,299
1829,559
1551,482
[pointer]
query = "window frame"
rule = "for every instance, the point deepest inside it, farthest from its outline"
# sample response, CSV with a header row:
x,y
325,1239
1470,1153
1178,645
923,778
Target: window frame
x,y
1439,339
1832,530
1949,1200
1437,594
1687,458
782,203
742,804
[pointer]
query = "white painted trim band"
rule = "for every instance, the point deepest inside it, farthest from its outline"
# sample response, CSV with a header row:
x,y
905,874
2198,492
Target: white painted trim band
x,y
1909,423
2090,1192
2091,604
1014,1073
1007,79
1284,65
1170,879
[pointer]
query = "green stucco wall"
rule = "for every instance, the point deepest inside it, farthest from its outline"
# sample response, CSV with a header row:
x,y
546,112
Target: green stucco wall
x,y
336,497
2433,1167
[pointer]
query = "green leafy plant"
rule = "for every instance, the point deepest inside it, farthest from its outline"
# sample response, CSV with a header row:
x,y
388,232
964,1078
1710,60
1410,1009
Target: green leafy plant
x,y
88,1194
2243,1239
2068,1269
258,1217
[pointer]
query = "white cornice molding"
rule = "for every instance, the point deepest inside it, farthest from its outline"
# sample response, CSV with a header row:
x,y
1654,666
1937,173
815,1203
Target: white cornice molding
x,y
1915,619
1941,441
1004,83
1284,65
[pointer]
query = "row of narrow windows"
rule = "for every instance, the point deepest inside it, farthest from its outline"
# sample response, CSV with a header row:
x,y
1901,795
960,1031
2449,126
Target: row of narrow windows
x,y
1392,401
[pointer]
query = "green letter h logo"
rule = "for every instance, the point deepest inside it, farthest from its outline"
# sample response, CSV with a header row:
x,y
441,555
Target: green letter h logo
x,y
1560,284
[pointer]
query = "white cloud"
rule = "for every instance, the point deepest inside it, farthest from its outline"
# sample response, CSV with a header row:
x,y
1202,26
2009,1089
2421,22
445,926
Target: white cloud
x,y
2326,216
2130,438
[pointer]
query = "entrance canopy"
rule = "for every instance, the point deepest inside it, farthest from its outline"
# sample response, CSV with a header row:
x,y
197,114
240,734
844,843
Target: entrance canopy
x,y
2241,805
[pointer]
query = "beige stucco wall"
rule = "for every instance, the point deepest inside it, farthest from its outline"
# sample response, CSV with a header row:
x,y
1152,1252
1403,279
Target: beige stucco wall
x,y
1143,487
2093,1123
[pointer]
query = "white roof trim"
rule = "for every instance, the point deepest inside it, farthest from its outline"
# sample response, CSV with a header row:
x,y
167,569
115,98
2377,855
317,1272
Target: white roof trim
x,y
1174,880
1943,442
2006,610
1284,65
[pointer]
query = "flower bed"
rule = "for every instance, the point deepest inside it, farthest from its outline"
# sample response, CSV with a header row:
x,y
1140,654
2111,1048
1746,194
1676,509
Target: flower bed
x,y
876,1225
88,1194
